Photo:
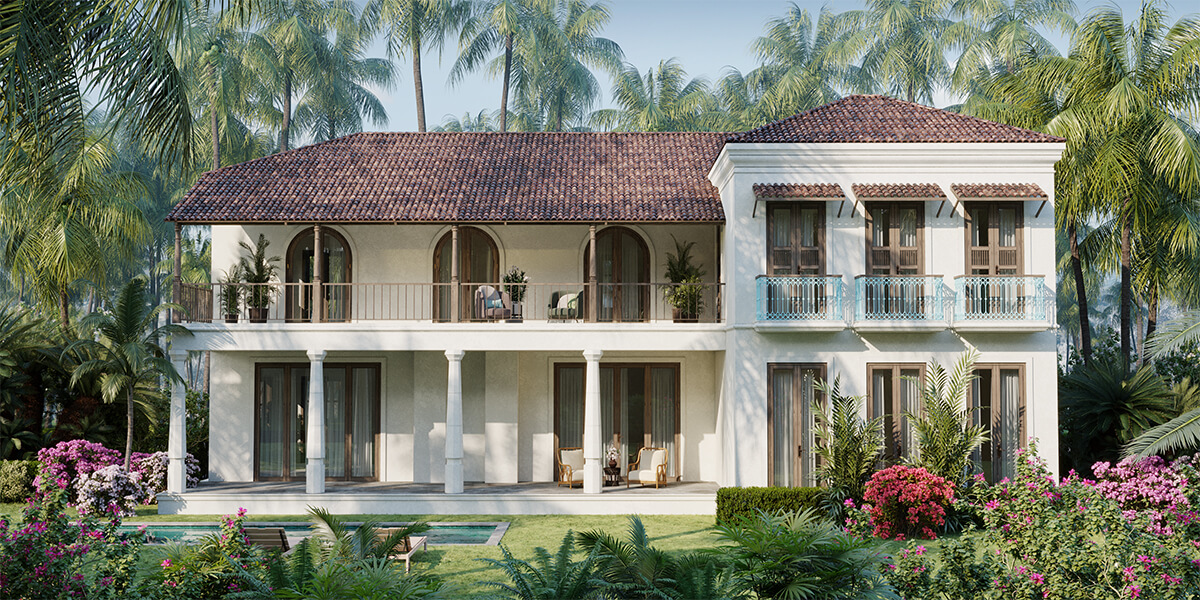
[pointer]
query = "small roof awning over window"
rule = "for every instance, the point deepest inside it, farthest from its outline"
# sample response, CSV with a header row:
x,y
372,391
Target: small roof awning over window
x,y
898,190
798,190
999,190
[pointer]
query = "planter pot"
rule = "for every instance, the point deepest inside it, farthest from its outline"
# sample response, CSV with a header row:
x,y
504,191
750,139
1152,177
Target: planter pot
x,y
231,317
612,464
680,317
258,315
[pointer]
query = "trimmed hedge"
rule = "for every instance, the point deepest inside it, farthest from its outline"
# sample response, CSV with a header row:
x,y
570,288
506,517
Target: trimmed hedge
x,y
16,479
733,502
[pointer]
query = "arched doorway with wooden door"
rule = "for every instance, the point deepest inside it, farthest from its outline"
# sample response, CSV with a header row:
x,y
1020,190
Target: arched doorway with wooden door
x,y
478,263
622,275
335,270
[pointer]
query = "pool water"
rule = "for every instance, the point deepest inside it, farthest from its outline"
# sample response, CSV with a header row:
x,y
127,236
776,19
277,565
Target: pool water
x,y
439,534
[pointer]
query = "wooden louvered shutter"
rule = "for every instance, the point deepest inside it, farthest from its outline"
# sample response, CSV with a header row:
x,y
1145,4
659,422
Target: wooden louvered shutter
x,y
994,238
781,228
907,238
810,239
879,235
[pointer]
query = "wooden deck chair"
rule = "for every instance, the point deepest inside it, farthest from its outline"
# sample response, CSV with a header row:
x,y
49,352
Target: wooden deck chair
x,y
270,538
407,548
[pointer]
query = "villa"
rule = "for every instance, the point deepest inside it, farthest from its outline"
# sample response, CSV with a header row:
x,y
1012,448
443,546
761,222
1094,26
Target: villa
x,y
389,368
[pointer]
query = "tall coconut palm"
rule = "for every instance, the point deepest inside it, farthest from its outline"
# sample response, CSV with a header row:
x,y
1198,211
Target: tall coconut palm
x,y
663,99
481,121
410,26
336,104
1001,35
127,356
492,25
901,44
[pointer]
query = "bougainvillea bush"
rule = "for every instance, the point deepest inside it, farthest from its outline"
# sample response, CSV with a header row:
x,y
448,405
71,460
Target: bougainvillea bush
x,y
110,490
1152,489
45,556
906,502
153,471
68,463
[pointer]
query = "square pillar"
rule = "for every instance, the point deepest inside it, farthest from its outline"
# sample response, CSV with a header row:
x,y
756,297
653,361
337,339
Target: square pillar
x,y
314,482
454,423
593,474
177,431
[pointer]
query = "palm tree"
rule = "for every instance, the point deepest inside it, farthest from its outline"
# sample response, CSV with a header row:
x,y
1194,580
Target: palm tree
x,y
901,44
336,103
661,100
129,360
496,23
848,445
409,26
481,121
1000,36
945,431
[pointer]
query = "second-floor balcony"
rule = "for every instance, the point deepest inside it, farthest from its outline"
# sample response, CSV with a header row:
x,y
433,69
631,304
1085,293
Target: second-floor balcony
x,y
284,303
1000,302
909,301
808,302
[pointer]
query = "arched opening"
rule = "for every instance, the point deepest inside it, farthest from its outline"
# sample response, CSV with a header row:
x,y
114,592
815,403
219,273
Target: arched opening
x,y
622,275
478,263
335,274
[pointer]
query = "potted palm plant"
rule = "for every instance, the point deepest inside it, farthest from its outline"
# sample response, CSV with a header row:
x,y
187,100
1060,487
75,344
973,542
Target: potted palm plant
x,y
231,293
258,271
685,292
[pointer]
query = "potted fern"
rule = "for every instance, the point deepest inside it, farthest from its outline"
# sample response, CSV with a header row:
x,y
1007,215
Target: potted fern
x,y
258,271
231,293
685,292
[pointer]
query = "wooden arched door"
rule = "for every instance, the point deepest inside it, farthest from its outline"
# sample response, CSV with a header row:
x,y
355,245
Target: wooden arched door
x,y
622,275
478,263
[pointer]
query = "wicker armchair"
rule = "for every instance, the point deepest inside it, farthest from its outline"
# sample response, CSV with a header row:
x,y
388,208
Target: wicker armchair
x,y
651,466
570,466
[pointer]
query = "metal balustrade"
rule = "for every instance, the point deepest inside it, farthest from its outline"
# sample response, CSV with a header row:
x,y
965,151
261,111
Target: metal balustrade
x,y
1000,298
799,297
898,298
438,302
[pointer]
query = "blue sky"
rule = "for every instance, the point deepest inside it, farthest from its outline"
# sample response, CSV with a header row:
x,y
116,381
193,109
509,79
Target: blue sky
x,y
705,36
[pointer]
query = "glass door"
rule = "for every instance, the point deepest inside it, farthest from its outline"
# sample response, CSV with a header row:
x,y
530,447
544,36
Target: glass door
x,y
791,423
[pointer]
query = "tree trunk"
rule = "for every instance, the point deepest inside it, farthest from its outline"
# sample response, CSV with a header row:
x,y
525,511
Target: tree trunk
x,y
1085,328
1126,287
128,427
216,130
64,311
285,128
417,87
508,43
1151,314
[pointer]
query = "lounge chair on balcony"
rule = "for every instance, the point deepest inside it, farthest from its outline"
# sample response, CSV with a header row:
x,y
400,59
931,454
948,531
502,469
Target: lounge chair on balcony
x,y
406,548
651,467
492,304
566,306
269,538
570,466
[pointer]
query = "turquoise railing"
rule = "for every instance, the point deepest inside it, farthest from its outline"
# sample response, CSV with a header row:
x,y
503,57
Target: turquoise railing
x,y
999,298
799,297
898,298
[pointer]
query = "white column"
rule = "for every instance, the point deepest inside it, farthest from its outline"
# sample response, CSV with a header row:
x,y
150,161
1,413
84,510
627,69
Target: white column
x,y
177,433
593,474
314,482
454,427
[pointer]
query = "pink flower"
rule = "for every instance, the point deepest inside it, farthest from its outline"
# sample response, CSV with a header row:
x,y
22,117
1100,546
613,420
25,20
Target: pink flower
x,y
166,563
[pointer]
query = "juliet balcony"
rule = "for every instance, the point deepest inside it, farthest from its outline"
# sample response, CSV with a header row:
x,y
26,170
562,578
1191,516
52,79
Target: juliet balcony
x,y
1001,303
799,302
899,302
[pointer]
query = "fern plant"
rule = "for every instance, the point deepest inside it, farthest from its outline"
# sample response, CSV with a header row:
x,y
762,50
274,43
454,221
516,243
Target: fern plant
x,y
945,430
848,446
549,576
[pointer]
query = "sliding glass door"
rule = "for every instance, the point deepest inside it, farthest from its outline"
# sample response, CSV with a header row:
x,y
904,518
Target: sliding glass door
x,y
639,407
351,421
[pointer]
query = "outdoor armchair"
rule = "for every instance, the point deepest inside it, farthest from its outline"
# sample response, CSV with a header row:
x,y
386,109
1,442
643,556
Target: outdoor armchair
x,y
566,306
651,466
570,466
492,304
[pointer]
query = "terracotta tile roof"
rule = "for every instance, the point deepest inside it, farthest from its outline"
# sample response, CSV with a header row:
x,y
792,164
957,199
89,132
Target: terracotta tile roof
x,y
874,118
480,177
898,190
997,190
798,190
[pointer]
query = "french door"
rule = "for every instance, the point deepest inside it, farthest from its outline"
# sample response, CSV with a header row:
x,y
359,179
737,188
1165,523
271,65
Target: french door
x,y
791,423
994,241
895,392
351,421
896,247
639,408
796,247
998,395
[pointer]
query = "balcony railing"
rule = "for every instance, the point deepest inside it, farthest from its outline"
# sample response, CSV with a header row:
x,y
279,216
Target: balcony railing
x,y
449,303
999,298
898,298
799,297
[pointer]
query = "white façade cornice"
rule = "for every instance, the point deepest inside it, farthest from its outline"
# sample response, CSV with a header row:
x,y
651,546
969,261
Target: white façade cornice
x,y
932,158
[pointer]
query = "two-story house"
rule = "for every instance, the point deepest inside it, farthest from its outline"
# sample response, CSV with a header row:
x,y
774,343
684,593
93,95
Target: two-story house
x,y
389,359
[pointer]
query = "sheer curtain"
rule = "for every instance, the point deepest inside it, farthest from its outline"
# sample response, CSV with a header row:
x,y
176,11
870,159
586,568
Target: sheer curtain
x,y
298,431
662,410
335,422
1011,408
910,403
272,414
604,275
570,407
781,426
607,425
337,298
362,439
808,394
631,274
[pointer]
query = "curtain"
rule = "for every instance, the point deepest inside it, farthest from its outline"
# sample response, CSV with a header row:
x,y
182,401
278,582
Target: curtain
x,y
631,387
607,406
272,419
781,227
604,275
570,407
1008,227
880,223
979,225
781,426
808,390
881,406
441,293
335,422
910,403
662,411
631,273
299,428
1011,407
336,298
362,438
908,227
808,227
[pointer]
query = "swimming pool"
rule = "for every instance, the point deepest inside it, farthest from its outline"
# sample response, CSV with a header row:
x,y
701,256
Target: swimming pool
x,y
440,534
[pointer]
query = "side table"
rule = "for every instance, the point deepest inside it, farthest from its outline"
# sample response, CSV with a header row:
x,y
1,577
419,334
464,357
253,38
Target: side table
x,y
612,476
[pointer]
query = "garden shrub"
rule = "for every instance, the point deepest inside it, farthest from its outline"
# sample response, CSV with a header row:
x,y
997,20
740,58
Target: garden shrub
x,y
45,556
16,479
905,502
153,471
1152,488
110,490
734,502
963,572
64,462
217,566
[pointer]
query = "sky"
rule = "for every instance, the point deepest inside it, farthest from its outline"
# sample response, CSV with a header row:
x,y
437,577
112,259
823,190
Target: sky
x,y
705,36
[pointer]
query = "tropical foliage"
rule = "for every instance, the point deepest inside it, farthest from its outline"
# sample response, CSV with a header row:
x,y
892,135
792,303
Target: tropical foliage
x,y
945,428
848,446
